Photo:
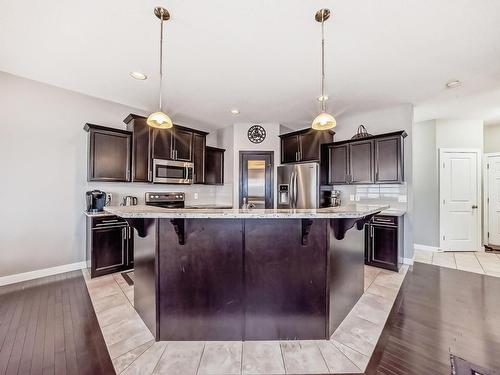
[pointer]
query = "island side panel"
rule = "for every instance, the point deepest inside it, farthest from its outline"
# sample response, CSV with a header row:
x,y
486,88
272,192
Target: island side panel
x,y
200,282
285,281
345,271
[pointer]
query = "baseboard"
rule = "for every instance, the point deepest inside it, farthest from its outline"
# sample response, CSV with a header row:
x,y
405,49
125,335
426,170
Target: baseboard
x,y
25,276
408,261
417,246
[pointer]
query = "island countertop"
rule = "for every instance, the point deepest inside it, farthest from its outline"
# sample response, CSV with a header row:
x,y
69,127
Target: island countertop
x,y
349,211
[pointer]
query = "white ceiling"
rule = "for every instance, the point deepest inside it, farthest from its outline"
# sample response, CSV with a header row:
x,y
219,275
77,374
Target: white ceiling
x,y
260,56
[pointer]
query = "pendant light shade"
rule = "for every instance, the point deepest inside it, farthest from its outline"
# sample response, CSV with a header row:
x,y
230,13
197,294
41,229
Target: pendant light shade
x,y
324,120
160,120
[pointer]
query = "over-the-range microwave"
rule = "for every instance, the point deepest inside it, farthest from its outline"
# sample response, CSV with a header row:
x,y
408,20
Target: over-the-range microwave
x,y
172,172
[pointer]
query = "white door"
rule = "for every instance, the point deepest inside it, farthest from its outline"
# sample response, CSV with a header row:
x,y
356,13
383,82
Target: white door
x,y
459,200
493,169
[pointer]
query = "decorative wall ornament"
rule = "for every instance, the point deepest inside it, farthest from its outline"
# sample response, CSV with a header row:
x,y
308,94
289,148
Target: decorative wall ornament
x,y
256,134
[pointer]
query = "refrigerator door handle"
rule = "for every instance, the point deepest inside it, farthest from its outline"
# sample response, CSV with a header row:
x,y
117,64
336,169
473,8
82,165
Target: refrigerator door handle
x,y
295,190
291,189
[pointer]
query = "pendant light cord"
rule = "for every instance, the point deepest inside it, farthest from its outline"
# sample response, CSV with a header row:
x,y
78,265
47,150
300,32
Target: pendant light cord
x,y
161,56
323,62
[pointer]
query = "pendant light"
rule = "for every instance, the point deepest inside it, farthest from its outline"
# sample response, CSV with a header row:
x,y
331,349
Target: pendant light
x,y
159,119
324,120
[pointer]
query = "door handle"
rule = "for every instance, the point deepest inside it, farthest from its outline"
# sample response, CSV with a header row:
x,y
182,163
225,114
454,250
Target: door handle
x,y
474,206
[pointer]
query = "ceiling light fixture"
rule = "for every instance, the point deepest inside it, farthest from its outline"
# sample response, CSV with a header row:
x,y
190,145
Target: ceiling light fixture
x,y
235,111
159,119
138,75
453,84
324,120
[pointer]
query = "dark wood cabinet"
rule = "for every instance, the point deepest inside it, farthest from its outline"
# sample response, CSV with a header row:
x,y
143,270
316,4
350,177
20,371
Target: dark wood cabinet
x,y
199,143
161,144
142,142
389,160
304,145
361,162
384,242
214,166
109,245
109,155
375,159
183,144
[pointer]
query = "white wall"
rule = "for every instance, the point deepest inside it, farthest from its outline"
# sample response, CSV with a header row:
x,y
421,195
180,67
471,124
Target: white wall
x,y
491,138
459,133
43,159
383,121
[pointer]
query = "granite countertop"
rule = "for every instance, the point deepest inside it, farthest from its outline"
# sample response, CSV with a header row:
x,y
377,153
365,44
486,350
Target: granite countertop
x,y
152,212
97,214
209,206
392,212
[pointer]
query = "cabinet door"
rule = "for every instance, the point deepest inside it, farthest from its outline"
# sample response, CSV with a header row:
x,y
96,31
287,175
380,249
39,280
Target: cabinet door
x,y
339,164
214,166
110,155
130,247
310,142
361,162
199,141
161,144
109,250
183,145
388,160
141,149
290,149
383,251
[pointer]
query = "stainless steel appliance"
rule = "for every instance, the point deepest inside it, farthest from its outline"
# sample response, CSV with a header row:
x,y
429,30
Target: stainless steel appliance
x,y
329,197
172,172
129,200
165,199
96,200
298,185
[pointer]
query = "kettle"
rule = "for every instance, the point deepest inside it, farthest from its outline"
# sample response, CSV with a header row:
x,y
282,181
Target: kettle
x,y
129,200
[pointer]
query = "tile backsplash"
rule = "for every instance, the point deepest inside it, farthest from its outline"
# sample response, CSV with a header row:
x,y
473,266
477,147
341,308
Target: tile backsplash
x,y
395,195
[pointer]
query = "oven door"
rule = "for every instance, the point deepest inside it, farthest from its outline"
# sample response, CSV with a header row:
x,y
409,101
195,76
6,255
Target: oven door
x,y
172,172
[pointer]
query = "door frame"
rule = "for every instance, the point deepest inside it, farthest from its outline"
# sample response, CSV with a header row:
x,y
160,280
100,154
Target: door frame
x,y
478,153
240,177
486,195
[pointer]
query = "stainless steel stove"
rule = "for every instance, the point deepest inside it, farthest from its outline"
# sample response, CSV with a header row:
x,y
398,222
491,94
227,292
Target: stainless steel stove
x,y
165,199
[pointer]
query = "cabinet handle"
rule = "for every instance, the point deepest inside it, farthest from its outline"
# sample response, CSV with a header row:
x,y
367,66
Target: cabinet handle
x,y
371,231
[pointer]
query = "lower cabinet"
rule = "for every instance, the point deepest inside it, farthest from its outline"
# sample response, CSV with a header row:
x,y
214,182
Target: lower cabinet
x,y
109,245
384,242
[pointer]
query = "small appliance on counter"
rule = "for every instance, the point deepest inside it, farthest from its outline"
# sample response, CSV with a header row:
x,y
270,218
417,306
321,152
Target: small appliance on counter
x,y
165,199
330,197
129,200
96,200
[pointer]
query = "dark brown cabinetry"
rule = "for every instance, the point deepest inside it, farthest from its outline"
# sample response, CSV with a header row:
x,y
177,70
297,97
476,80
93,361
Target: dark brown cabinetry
x,y
177,143
199,143
214,166
384,242
110,154
109,245
375,159
303,145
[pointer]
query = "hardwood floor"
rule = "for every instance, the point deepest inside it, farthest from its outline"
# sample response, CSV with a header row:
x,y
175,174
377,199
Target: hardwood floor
x,y
48,326
440,311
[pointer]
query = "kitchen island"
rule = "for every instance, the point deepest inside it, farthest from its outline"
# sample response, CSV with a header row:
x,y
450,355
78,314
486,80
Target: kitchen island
x,y
230,274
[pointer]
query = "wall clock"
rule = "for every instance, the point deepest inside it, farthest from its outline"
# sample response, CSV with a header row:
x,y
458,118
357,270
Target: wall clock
x,y
256,134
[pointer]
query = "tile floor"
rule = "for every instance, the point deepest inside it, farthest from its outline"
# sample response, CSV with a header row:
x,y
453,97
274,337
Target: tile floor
x,y
133,349
477,262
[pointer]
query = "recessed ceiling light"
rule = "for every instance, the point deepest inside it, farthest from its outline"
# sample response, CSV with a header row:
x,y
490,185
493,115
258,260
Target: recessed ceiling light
x,y
235,111
453,84
323,98
138,75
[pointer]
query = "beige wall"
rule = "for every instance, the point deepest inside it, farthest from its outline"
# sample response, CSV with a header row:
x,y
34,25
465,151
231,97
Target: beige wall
x,y
492,138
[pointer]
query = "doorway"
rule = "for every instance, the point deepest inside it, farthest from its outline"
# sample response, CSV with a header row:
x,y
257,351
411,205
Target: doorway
x,y
256,178
492,199
459,199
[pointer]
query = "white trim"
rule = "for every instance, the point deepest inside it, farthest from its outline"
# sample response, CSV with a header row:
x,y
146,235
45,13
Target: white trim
x,y
408,261
479,190
417,246
25,276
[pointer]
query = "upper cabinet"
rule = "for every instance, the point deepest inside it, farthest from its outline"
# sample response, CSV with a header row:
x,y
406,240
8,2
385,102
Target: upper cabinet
x,y
110,154
375,159
177,143
303,145
214,166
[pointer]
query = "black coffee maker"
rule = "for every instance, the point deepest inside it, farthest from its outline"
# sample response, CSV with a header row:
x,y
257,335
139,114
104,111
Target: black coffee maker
x,y
96,200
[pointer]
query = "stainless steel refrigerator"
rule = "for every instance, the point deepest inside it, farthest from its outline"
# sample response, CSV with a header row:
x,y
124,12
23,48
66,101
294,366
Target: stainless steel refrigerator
x,y
298,185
